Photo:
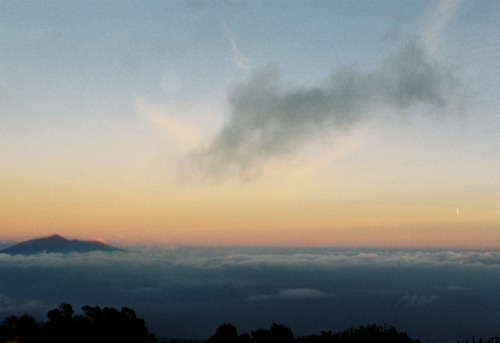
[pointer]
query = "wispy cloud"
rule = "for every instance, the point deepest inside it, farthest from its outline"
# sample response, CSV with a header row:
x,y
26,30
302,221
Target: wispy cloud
x,y
11,304
184,135
293,294
415,300
240,60
268,118
435,30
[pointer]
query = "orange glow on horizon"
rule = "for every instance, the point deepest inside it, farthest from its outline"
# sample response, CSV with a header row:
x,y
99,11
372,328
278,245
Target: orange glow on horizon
x,y
420,237
284,209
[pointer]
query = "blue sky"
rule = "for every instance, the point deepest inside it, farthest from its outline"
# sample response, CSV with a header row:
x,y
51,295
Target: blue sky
x,y
120,120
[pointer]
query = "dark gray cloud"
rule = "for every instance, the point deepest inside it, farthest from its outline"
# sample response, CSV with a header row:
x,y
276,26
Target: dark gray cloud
x,y
307,289
268,118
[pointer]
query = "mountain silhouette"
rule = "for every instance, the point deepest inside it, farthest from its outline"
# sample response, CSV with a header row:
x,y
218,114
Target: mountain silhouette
x,y
56,244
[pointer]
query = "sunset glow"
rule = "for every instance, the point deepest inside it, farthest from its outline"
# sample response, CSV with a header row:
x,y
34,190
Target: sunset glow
x,y
345,124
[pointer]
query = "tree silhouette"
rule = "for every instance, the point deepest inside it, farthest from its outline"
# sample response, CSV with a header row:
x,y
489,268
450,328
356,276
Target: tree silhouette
x,y
95,325
363,334
28,328
9,328
226,333
109,325
277,334
24,327
60,327
63,313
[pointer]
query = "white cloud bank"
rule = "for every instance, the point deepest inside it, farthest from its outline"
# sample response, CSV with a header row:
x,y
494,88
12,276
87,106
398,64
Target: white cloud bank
x,y
224,258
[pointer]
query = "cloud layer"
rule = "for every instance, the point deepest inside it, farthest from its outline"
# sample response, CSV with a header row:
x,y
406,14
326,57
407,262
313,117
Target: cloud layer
x,y
307,289
268,118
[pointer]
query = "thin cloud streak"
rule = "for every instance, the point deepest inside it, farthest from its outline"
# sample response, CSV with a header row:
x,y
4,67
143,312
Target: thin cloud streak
x,y
239,59
435,32
415,300
269,119
293,294
182,134
11,304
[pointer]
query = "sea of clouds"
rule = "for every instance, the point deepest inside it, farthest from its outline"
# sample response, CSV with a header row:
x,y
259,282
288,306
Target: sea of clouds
x,y
186,292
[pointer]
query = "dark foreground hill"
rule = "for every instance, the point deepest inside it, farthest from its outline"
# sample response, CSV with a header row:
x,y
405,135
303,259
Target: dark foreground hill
x,y
56,244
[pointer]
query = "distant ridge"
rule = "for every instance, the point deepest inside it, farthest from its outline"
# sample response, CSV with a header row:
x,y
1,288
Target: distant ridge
x,y
56,244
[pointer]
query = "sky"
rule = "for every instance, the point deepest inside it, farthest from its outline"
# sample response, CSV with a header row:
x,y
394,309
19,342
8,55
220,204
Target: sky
x,y
251,123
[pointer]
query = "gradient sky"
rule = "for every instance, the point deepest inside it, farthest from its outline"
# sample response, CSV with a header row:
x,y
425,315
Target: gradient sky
x,y
325,123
